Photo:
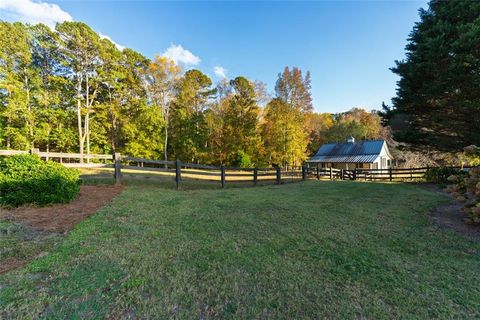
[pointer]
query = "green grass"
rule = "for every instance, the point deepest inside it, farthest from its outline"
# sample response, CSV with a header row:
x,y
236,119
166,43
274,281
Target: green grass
x,y
304,250
20,243
168,182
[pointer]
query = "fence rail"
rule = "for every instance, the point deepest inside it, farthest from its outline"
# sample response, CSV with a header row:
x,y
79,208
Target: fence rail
x,y
132,165
223,174
391,174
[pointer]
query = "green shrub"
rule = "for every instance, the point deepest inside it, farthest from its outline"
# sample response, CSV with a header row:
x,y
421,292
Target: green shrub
x,y
27,179
440,175
242,160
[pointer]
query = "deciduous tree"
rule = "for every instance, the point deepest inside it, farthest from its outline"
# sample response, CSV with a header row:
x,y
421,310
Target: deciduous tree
x,y
161,80
284,134
81,47
294,89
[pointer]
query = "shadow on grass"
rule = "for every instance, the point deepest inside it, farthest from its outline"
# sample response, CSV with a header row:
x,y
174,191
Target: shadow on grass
x,y
169,182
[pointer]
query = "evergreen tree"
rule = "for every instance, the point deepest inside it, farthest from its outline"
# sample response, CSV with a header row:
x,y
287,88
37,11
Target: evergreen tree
x,y
188,129
81,48
15,86
240,123
438,97
233,124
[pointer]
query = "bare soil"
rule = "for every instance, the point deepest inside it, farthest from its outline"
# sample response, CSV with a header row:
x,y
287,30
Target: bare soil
x,y
451,216
40,222
11,264
63,217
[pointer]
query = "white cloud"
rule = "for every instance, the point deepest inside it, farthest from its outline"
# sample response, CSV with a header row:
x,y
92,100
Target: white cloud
x,y
220,72
29,11
119,46
180,55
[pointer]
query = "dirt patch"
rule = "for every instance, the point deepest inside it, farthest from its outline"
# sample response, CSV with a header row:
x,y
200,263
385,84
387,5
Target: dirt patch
x,y
33,231
11,264
63,217
451,216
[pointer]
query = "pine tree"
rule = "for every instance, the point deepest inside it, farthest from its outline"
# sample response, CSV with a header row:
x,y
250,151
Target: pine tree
x,y
188,129
15,87
438,97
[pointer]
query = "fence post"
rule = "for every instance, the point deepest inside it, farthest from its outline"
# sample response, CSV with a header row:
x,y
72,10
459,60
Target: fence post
x,y
341,174
390,173
304,172
178,173
279,175
355,174
118,168
222,175
331,175
255,176
318,171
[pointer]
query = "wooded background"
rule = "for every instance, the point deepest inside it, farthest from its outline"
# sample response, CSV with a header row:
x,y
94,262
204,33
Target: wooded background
x,y
69,90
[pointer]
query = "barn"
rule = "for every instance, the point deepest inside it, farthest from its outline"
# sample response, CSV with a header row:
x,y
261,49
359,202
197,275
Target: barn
x,y
365,154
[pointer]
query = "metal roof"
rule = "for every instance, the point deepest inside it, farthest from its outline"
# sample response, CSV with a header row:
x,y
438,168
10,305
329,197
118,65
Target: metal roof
x,y
351,152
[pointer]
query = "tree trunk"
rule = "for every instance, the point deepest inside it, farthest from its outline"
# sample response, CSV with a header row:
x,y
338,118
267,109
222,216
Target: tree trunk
x,y
88,137
165,111
87,116
8,133
165,152
113,133
27,120
79,119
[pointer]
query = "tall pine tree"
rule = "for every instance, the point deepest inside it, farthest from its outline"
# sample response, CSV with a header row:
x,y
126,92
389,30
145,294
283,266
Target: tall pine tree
x,y
438,96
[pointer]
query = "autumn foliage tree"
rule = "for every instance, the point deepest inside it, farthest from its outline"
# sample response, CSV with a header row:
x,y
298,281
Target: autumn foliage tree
x,y
161,80
285,129
284,134
360,124
68,89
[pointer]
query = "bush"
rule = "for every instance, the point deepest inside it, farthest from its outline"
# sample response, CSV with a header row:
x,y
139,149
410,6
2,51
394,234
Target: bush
x,y
471,185
441,175
242,160
465,188
27,179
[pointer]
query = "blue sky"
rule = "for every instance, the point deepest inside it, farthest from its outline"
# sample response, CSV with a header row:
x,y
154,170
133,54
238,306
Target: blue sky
x,y
348,46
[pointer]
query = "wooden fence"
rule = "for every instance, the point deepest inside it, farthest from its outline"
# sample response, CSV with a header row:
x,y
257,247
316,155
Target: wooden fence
x,y
179,170
120,165
391,174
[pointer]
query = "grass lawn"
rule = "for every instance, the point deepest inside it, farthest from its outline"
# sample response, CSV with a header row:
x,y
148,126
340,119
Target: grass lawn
x,y
305,250
21,243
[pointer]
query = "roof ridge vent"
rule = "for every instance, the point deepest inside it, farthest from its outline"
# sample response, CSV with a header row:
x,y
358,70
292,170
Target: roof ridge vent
x,y
351,139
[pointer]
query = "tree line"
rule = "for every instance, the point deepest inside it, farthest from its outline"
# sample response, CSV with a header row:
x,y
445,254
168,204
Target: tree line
x,y
69,90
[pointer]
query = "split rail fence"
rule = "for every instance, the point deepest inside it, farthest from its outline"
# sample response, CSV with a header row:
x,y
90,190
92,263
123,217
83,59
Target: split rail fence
x,y
391,174
119,165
